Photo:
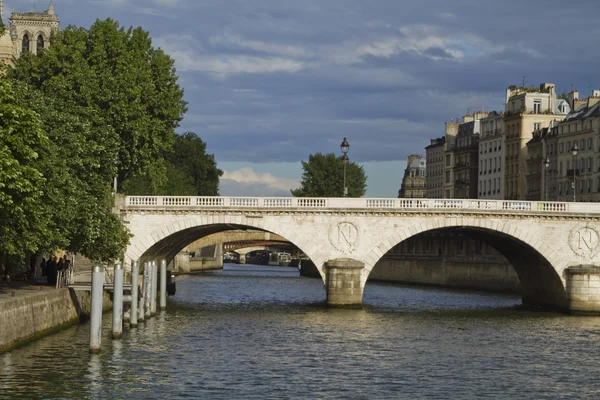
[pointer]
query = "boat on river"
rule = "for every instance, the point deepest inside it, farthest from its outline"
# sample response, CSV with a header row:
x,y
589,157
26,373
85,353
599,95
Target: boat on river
x,y
280,259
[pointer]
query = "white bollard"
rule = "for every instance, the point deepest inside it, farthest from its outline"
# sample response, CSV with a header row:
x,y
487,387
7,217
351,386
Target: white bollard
x,y
142,307
148,288
96,309
154,281
163,284
117,322
135,271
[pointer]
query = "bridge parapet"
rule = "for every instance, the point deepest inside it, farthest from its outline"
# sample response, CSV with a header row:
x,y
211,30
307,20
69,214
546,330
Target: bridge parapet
x,y
515,206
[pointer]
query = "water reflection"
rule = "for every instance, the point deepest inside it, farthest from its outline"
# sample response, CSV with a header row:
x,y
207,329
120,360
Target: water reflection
x,y
265,333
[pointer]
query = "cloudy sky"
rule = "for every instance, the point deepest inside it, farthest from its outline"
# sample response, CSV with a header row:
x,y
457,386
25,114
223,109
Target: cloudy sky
x,y
271,81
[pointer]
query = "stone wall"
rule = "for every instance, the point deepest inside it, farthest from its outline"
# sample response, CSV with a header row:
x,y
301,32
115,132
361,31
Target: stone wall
x,y
28,317
448,272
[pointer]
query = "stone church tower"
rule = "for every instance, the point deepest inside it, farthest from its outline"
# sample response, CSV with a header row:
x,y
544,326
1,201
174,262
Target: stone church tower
x,y
28,32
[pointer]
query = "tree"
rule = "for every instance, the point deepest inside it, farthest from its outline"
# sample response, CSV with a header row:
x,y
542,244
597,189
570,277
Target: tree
x,y
24,218
189,171
77,172
189,156
324,177
123,86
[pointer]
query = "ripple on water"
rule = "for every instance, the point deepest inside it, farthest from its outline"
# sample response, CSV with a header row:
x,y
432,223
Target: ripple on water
x,y
265,333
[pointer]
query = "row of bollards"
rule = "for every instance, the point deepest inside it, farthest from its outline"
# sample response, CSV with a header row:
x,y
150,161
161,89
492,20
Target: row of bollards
x,y
142,299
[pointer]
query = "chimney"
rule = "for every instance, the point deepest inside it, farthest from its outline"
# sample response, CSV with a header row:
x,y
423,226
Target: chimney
x,y
548,87
451,128
572,98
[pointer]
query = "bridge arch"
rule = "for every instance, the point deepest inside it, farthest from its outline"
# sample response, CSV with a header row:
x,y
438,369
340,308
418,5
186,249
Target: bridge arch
x,y
169,239
539,267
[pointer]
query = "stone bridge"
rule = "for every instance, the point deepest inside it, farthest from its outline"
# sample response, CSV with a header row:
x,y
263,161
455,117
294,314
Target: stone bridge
x,y
553,246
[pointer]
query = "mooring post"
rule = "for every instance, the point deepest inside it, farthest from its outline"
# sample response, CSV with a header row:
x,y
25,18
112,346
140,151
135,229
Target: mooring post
x,y
96,309
163,284
135,270
117,322
142,307
148,289
154,287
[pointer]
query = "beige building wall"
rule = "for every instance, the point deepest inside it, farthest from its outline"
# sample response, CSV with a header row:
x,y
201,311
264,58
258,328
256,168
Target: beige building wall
x,y
579,128
527,110
491,157
434,181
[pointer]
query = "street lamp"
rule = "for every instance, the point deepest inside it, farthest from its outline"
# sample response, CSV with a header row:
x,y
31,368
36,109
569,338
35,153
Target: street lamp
x,y
574,150
345,146
546,164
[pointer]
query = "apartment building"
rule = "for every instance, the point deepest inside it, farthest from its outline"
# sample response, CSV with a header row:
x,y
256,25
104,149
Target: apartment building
x,y
413,182
434,176
491,157
578,150
466,155
526,110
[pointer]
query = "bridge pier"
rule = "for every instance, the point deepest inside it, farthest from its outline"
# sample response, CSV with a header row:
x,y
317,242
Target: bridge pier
x,y
343,282
583,289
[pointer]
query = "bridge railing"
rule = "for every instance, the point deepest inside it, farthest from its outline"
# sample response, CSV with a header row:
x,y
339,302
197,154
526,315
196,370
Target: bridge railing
x,y
133,202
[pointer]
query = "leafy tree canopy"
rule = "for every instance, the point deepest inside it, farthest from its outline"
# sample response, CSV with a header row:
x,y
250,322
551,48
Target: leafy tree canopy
x,y
126,87
189,171
24,218
77,172
323,176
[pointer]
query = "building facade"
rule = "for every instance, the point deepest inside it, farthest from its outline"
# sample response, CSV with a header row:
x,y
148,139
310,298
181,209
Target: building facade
x,y
413,182
434,178
27,33
527,110
466,155
491,157
578,154
449,160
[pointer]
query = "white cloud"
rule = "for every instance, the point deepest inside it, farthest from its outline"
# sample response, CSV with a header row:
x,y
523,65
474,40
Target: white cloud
x,y
247,182
230,39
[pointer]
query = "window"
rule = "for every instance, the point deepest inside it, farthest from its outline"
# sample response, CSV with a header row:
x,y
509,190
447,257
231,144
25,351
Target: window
x,y
40,42
25,45
447,176
537,106
536,126
589,142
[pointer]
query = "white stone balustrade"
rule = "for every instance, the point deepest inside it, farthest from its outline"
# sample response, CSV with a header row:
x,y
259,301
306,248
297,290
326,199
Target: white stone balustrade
x,y
517,206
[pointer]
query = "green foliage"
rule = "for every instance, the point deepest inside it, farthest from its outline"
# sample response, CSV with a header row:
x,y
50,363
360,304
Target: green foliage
x,y
189,172
324,177
128,88
78,172
189,156
24,218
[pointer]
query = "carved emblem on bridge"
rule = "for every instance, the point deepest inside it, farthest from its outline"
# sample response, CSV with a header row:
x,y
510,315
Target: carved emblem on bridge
x,y
344,237
584,242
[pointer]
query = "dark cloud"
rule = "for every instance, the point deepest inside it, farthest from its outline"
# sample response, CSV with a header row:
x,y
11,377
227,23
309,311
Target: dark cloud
x,y
277,80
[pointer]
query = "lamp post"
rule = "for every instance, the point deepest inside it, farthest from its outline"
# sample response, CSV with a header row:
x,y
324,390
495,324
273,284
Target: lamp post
x,y
574,150
345,146
546,164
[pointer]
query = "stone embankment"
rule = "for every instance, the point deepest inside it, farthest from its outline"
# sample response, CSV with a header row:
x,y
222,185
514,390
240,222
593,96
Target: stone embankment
x,y
30,312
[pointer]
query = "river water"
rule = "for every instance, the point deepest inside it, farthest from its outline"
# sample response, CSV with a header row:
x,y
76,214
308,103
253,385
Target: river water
x,y
251,332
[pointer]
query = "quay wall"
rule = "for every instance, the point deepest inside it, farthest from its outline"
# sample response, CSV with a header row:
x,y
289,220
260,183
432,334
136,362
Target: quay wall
x,y
449,272
445,272
30,316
